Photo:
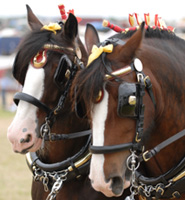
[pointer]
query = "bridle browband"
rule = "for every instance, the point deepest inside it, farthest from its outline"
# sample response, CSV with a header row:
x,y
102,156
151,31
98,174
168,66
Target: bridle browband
x,y
168,185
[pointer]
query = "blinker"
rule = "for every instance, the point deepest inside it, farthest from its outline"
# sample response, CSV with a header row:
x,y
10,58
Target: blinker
x,y
63,70
127,100
40,59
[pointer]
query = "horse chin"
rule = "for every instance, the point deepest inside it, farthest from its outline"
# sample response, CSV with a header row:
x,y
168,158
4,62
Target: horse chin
x,y
114,187
37,145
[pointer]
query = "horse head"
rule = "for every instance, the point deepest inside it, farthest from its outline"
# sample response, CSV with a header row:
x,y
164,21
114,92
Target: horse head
x,y
45,65
115,106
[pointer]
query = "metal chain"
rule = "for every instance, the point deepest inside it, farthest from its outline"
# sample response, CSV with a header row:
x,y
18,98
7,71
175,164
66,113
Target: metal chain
x,y
132,165
57,177
55,189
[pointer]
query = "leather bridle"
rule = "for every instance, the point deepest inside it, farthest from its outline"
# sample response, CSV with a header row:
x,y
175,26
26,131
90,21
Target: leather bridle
x,y
53,175
52,113
168,185
143,82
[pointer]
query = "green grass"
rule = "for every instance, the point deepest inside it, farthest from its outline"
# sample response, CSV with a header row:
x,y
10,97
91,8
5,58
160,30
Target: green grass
x,y
6,114
15,176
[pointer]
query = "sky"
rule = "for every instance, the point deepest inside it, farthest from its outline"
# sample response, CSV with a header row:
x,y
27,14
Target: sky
x,y
168,10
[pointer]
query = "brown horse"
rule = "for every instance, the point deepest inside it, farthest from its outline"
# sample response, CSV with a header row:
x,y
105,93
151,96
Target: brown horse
x,y
45,66
133,89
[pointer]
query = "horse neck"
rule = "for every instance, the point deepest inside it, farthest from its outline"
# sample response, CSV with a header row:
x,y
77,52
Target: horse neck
x,y
167,75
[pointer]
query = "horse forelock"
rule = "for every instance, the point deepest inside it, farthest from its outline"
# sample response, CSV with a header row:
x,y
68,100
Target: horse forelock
x,y
89,82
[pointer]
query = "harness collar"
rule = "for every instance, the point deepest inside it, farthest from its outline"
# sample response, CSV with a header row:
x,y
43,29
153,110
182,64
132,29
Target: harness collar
x,y
69,169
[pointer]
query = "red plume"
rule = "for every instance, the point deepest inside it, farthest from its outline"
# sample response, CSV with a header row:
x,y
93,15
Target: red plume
x,y
62,12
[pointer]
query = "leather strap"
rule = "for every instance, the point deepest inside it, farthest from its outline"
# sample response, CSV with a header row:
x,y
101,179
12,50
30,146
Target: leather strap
x,y
30,99
110,149
55,137
149,154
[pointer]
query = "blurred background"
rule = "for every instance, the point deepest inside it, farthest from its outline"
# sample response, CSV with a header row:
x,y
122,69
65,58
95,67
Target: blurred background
x,y
15,177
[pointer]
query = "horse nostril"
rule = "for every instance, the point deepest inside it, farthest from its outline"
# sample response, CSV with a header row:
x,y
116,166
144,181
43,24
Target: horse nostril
x,y
26,140
117,185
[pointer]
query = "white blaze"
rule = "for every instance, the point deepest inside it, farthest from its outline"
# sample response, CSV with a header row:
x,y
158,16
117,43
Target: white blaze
x,y
25,120
99,116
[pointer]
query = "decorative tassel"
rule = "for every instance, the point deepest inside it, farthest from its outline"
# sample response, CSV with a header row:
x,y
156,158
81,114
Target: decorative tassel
x,y
112,26
147,19
131,19
62,12
72,12
138,19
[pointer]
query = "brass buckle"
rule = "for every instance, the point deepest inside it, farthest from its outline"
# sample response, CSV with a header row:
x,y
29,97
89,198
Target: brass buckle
x,y
161,190
175,194
146,77
144,154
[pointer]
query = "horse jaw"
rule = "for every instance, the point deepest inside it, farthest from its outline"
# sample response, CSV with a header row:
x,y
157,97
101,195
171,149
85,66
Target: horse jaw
x,y
24,125
97,176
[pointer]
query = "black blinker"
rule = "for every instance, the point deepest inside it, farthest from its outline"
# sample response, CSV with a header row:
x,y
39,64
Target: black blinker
x,y
64,65
125,107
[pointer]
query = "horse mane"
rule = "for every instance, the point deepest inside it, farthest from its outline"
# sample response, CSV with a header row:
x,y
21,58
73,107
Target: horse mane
x,y
90,80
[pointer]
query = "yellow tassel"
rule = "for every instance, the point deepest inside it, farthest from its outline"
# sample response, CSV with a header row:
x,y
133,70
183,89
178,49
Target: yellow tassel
x,y
97,51
52,27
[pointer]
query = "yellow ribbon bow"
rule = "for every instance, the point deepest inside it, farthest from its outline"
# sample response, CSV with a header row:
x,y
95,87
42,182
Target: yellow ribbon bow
x,y
52,27
97,51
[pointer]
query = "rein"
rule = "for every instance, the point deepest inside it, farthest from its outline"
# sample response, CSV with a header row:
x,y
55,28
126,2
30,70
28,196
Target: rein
x,y
168,185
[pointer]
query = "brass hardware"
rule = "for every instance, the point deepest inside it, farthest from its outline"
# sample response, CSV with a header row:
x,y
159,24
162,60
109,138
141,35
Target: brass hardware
x,y
119,72
146,78
56,47
42,62
137,139
100,94
28,159
144,154
132,100
80,162
158,190
67,74
181,175
175,194
139,77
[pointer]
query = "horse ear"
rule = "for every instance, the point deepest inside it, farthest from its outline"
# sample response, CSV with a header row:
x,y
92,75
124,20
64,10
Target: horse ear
x,y
33,21
71,27
128,50
91,37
